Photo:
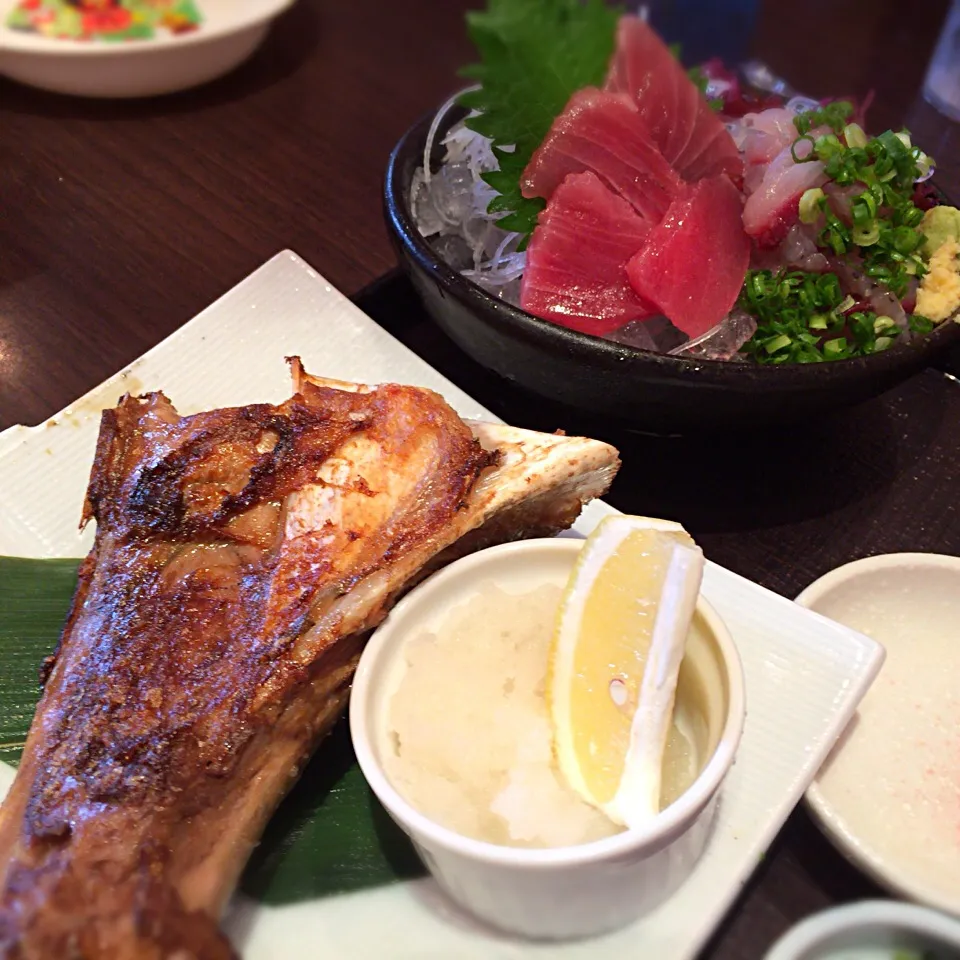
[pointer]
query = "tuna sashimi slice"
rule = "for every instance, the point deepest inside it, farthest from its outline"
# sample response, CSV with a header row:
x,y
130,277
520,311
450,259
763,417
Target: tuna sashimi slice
x,y
678,118
708,153
602,132
684,119
576,261
774,206
644,68
693,264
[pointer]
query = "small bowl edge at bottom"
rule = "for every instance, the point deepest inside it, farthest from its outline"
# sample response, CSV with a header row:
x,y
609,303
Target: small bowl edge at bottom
x,y
869,923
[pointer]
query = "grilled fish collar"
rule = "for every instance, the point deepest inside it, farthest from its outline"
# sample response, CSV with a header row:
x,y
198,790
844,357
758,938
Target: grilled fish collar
x,y
241,558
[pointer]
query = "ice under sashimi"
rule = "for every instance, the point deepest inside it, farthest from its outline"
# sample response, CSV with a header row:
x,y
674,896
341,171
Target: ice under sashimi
x,y
576,263
691,265
603,187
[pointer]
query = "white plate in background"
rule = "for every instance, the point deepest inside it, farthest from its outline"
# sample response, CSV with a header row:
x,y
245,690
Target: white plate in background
x,y
804,674
889,794
230,32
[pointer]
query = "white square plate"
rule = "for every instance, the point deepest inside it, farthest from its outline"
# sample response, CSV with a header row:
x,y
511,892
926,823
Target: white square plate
x,y
805,675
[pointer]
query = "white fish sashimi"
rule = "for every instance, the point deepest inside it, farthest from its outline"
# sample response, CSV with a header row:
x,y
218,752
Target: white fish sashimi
x,y
767,133
773,207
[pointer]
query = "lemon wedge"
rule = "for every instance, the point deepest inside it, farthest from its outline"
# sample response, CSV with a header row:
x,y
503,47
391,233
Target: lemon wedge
x,y
615,660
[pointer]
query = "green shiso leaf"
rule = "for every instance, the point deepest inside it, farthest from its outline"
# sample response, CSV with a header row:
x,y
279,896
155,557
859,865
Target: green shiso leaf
x,y
534,55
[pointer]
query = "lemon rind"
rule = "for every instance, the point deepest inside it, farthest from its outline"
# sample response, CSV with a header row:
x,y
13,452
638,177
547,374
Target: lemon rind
x,y
637,798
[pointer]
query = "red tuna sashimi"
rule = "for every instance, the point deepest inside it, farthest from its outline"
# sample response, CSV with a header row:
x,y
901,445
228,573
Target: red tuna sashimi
x,y
693,264
576,261
690,135
601,132
708,153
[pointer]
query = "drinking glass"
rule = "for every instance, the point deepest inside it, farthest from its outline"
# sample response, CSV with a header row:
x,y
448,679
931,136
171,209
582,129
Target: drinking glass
x,y
942,85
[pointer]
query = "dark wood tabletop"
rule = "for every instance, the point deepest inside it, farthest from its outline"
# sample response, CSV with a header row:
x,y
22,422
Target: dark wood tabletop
x,y
119,221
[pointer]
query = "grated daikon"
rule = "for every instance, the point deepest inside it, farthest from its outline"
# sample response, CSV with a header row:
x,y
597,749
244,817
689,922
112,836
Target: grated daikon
x,y
473,743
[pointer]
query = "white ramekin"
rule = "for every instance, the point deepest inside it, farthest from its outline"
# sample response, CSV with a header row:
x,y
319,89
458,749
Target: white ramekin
x,y
559,893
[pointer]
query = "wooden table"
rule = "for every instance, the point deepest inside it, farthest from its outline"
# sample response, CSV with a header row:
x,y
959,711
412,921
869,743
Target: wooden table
x,y
120,221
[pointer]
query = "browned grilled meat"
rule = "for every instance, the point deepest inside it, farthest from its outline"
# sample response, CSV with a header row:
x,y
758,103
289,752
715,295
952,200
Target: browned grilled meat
x,y
241,557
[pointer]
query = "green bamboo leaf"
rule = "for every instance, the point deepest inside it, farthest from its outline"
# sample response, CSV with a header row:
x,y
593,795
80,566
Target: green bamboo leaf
x,y
34,599
329,836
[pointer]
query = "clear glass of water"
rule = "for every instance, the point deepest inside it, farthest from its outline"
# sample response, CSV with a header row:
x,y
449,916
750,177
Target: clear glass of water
x,y
942,85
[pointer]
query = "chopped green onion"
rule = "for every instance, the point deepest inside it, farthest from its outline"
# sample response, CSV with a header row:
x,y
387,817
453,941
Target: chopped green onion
x,y
906,240
896,144
833,115
834,349
883,323
777,343
866,237
834,235
924,165
854,135
884,218
797,311
810,205
863,209
881,232
827,147
808,155
912,217
828,288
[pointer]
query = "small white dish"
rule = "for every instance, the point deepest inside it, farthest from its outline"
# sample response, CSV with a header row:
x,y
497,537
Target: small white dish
x,y
231,31
889,792
870,930
566,892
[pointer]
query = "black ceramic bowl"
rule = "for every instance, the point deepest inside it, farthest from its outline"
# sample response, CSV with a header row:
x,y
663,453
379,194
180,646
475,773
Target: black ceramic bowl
x,y
637,389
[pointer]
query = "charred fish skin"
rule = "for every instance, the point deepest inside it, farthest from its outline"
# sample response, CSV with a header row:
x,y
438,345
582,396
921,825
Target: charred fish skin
x,y
241,558
197,633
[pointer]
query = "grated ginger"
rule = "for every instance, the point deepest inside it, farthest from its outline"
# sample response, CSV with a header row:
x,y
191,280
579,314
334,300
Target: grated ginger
x,y
939,293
